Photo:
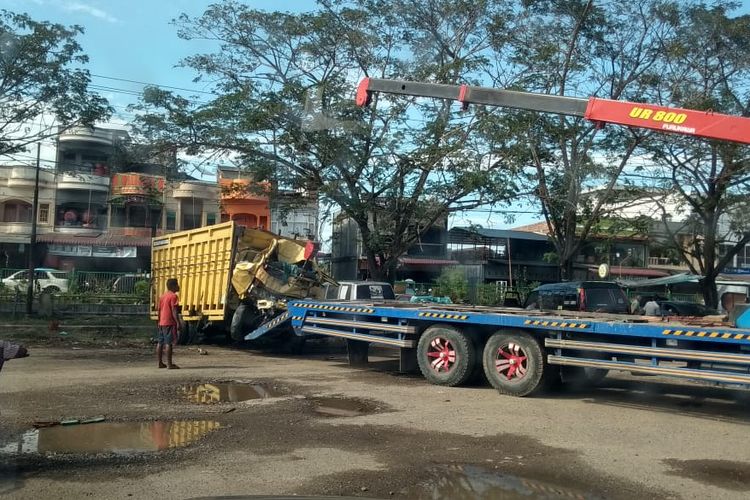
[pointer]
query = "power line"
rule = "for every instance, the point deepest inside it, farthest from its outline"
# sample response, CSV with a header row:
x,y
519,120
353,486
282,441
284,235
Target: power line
x,y
152,84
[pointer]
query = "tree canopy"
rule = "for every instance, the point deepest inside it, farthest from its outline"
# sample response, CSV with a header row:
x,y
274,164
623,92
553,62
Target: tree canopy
x,y
285,111
707,67
283,106
42,73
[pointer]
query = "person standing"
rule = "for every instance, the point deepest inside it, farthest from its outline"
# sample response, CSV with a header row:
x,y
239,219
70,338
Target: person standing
x,y
652,308
635,305
169,324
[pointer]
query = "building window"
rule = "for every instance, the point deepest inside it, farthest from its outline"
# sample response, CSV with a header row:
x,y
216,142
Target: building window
x,y
210,219
43,213
171,221
190,221
17,211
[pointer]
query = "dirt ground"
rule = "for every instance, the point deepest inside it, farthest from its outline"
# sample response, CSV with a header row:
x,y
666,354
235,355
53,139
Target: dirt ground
x,y
632,437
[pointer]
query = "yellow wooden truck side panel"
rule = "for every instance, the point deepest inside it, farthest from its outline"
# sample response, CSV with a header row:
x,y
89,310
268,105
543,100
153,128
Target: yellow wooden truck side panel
x,y
201,260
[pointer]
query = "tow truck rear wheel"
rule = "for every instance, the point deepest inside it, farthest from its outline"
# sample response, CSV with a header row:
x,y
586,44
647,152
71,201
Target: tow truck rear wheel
x,y
514,363
446,356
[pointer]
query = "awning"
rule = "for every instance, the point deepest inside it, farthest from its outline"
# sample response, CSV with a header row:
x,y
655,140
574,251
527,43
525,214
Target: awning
x,y
665,281
100,240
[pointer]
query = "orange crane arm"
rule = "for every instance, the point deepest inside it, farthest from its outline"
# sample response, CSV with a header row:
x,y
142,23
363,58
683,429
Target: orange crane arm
x,y
664,119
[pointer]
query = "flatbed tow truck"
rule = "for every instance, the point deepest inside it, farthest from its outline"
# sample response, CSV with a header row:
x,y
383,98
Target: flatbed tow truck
x,y
521,351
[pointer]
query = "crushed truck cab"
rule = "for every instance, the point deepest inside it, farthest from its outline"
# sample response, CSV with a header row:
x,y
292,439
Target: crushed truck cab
x,y
233,278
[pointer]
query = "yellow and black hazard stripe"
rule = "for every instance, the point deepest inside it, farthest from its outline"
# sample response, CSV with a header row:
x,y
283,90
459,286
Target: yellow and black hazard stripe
x,y
297,318
277,320
462,317
706,334
336,308
559,324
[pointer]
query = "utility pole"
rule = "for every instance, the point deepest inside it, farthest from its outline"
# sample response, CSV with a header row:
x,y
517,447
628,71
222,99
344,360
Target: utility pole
x,y
32,239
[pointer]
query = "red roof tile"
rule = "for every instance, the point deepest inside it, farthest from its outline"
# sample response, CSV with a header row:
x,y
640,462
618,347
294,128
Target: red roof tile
x,y
536,227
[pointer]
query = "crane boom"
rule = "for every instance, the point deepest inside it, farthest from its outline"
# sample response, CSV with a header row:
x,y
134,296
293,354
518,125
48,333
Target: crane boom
x,y
661,118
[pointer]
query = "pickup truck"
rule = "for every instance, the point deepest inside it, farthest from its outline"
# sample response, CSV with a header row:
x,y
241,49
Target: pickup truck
x,y
359,290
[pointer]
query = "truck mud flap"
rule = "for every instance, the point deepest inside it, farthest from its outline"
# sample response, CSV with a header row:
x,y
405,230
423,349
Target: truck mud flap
x,y
276,322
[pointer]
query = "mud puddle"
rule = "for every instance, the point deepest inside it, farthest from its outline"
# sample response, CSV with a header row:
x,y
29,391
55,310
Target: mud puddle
x,y
120,438
341,407
722,473
228,392
473,482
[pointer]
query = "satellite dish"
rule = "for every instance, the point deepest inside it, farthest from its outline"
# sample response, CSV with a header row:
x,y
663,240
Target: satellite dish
x,y
603,271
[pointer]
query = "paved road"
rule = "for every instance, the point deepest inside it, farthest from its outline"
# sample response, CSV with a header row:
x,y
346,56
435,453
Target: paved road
x,y
382,435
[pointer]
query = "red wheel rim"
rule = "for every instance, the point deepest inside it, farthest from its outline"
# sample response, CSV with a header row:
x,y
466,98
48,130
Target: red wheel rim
x,y
511,361
442,355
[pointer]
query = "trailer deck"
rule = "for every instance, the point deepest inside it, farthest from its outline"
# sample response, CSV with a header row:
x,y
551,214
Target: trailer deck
x,y
520,350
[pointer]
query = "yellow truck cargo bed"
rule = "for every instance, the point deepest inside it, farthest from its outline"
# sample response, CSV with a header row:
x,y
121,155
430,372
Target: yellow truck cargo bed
x,y
202,260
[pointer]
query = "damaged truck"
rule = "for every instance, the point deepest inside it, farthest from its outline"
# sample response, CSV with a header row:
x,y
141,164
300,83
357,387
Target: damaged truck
x,y
233,279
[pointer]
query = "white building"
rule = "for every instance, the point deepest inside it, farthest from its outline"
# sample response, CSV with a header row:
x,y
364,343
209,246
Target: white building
x,y
16,198
295,215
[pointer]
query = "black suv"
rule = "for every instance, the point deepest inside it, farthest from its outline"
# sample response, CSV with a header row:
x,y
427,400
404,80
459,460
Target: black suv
x,y
591,296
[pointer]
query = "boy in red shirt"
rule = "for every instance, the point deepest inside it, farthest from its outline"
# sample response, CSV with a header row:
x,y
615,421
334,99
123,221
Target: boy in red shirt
x,y
169,323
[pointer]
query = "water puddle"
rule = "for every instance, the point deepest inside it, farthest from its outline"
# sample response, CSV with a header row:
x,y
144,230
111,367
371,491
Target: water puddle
x,y
228,392
121,438
473,482
722,473
340,407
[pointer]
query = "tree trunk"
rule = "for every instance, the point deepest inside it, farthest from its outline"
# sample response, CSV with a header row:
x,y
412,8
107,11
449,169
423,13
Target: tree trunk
x,y
375,271
566,268
389,267
710,295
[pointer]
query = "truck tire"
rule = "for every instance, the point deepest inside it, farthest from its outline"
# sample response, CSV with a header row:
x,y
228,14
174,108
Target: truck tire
x,y
183,335
595,375
244,320
446,356
584,375
515,365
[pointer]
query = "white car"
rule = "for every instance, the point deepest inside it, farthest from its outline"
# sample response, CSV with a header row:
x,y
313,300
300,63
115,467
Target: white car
x,y
45,280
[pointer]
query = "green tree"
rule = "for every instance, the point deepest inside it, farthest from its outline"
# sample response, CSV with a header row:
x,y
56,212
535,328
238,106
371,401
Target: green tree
x,y
41,73
708,69
581,49
284,111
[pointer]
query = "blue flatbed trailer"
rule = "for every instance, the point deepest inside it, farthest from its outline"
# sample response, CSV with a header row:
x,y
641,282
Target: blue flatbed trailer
x,y
522,352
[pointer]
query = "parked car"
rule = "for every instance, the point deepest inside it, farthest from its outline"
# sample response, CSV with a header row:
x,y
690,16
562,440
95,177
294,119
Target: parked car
x,y
359,290
591,296
430,299
126,282
45,280
683,308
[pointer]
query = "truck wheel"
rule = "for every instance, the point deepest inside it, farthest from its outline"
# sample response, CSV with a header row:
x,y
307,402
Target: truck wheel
x,y
244,320
183,335
446,356
514,363
583,375
595,375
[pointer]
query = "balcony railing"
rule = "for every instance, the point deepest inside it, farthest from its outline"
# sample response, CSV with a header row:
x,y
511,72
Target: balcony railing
x,y
99,136
194,190
26,177
83,181
17,228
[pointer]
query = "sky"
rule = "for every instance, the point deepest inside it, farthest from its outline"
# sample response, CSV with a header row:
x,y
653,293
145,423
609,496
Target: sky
x,y
134,40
